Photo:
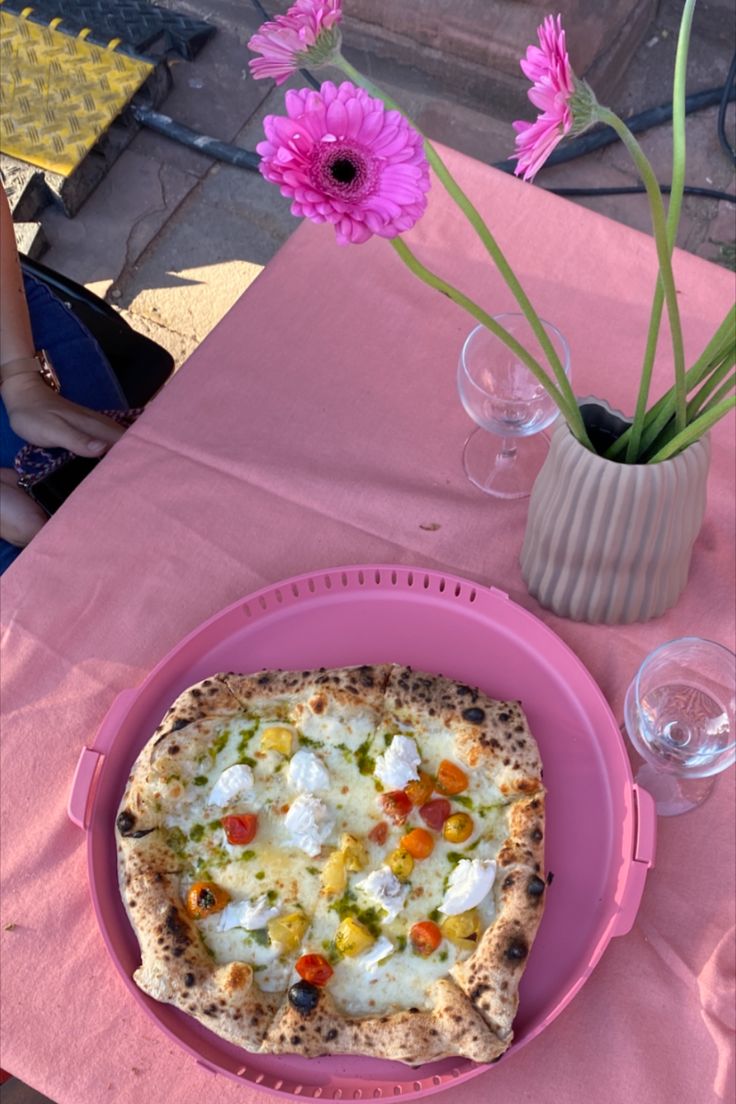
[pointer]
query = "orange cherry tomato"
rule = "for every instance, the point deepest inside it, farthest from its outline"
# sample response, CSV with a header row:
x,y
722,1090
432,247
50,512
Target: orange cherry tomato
x,y
450,779
379,832
314,968
420,790
425,937
418,843
435,812
206,898
241,828
396,806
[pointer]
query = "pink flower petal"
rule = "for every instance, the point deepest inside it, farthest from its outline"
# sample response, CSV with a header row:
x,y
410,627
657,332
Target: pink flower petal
x,y
285,41
342,158
547,66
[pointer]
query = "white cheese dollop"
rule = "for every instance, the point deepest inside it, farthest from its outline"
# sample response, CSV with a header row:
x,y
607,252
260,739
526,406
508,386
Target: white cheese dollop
x,y
385,889
469,883
307,773
398,764
247,914
380,950
234,784
309,822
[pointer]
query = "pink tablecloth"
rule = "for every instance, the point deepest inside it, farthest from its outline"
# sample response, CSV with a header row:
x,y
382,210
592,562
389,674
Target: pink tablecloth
x,y
319,425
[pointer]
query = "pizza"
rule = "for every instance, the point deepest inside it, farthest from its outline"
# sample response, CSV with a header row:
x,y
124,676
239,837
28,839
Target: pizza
x,y
344,861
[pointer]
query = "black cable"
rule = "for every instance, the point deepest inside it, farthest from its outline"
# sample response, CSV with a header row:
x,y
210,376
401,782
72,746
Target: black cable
x,y
202,143
707,193
728,91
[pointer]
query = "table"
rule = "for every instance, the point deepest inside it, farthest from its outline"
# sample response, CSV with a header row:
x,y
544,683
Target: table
x,y
319,425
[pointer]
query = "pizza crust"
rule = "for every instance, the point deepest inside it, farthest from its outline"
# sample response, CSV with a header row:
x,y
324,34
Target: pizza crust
x,y
472,1010
452,1027
490,977
176,968
491,735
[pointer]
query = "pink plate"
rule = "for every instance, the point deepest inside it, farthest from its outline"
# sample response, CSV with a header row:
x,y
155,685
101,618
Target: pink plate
x,y
600,826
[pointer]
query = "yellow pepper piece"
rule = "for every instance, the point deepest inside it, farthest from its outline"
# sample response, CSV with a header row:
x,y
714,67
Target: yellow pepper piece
x,y
354,851
352,938
464,929
334,879
277,738
288,931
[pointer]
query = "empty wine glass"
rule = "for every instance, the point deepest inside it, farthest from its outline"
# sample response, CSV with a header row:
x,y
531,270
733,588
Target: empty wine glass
x,y
679,715
500,393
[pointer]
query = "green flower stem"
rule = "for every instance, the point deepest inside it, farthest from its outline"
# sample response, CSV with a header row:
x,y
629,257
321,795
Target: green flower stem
x,y
476,221
434,281
657,417
704,400
695,430
673,220
662,413
663,254
697,403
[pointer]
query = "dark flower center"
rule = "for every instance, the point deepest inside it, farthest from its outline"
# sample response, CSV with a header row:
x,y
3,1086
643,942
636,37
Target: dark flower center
x,y
344,171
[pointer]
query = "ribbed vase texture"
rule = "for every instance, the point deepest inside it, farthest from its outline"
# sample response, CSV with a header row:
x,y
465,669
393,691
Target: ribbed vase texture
x,y
608,542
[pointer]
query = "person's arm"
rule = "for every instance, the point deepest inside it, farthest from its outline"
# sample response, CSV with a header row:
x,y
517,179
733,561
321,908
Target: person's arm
x,y
16,339
37,414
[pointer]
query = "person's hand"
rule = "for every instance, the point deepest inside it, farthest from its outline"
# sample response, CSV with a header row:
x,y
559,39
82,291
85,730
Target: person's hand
x,y
42,417
20,517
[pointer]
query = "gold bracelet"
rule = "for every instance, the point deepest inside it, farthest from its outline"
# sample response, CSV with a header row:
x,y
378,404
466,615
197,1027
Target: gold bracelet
x,y
43,366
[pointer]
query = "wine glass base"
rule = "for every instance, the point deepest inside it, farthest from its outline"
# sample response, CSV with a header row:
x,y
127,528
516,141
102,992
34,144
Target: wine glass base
x,y
495,474
674,795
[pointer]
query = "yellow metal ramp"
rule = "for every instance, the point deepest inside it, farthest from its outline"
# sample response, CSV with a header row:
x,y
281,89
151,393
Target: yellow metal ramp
x,y
59,93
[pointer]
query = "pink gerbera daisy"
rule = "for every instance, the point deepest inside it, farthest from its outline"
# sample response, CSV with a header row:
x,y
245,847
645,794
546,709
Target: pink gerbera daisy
x,y
344,158
553,87
306,35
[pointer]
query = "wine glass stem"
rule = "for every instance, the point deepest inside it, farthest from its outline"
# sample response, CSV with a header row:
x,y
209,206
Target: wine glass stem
x,y
507,453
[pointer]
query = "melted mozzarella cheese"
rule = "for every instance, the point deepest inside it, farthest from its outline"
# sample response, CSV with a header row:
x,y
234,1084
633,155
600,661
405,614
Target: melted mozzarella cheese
x,y
309,823
249,915
274,864
469,883
234,784
398,764
375,955
307,773
383,887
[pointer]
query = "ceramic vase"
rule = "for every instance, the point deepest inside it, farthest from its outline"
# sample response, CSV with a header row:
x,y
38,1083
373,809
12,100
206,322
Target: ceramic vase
x,y
610,542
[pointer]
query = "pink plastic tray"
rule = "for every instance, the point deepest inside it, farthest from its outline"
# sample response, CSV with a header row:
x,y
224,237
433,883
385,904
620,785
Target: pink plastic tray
x,y
601,827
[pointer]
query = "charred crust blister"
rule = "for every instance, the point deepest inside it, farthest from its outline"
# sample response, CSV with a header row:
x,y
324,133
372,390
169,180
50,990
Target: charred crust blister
x,y
535,887
126,823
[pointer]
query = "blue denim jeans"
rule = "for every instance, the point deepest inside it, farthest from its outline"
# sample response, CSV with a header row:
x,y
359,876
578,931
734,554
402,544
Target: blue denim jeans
x,y
85,375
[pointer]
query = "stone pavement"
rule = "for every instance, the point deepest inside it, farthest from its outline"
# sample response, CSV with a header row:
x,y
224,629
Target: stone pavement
x,y
173,239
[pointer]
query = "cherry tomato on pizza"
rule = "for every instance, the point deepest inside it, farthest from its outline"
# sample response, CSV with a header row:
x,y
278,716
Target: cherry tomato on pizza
x,y
314,968
434,813
418,843
420,790
241,828
379,832
396,806
206,898
450,778
425,937
458,828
